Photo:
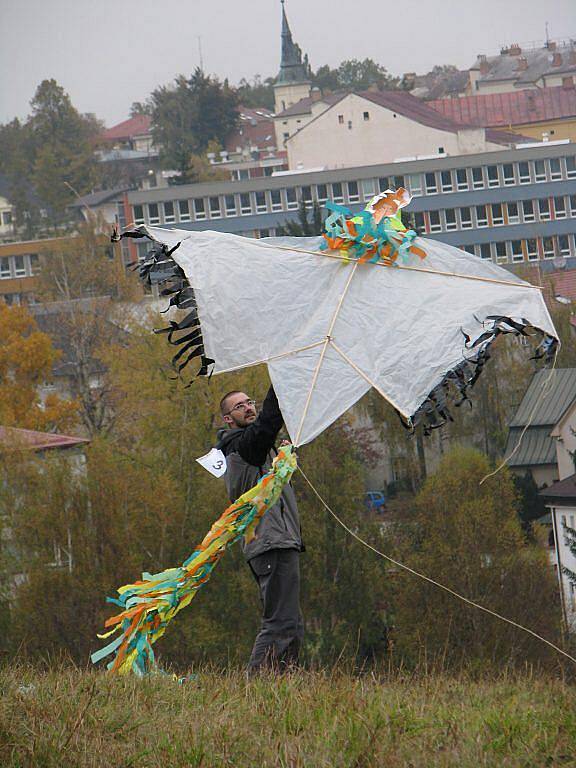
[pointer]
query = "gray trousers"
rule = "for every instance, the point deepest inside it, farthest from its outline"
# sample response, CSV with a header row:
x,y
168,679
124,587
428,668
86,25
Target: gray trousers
x,y
277,644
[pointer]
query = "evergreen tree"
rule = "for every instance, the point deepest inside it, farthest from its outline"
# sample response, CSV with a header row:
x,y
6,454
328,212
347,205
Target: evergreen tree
x,y
310,222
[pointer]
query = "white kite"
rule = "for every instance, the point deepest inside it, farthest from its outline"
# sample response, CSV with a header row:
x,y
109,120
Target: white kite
x,y
333,323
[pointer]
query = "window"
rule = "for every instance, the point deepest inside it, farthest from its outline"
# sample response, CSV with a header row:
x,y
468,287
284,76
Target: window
x,y
169,215
215,212
383,183
481,216
544,209
497,214
572,205
435,225
415,184
539,170
477,178
230,204
564,245
261,201
35,263
138,214
199,209
349,125
513,213
264,233
307,194
446,180
548,247
461,179
524,173
532,249
516,248
398,181
493,180
431,184
555,169
184,209
276,200
469,249
571,167
341,119
322,193
501,253
245,204
19,266
450,215
485,252
291,199
153,213
419,223
440,150
337,194
353,195
559,207
284,136
508,174
5,268
528,211
366,115
466,218
7,218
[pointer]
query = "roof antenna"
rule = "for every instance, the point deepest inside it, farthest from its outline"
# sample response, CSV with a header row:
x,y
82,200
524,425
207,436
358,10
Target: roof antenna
x,y
547,38
200,53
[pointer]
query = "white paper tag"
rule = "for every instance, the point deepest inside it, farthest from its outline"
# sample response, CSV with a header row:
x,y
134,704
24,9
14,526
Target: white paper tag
x,y
214,462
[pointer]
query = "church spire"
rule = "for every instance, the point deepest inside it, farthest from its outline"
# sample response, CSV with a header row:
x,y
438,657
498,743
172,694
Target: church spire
x,y
292,68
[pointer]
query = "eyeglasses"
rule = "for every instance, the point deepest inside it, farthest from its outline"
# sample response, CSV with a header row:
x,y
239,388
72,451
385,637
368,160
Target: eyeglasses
x,y
242,406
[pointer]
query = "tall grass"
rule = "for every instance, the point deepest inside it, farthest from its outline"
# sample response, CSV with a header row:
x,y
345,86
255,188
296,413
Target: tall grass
x,y
69,717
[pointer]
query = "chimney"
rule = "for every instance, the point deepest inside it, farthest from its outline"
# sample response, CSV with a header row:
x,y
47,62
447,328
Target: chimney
x,y
556,59
515,50
522,64
316,94
484,66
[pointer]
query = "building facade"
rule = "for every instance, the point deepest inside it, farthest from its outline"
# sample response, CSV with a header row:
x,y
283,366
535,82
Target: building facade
x,y
514,207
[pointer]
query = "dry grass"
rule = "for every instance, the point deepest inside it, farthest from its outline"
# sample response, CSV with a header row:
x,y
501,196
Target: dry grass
x,y
75,718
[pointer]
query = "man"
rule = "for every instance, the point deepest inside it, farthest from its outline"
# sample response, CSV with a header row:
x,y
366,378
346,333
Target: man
x,y
274,553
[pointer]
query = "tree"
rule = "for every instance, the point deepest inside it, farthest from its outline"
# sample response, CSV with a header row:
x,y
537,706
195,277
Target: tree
x,y
468,537
188,115
306,225
26,360
256,92
63,153
354,75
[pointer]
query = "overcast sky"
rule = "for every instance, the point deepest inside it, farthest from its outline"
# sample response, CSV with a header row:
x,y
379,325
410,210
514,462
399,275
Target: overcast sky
x,y
109,53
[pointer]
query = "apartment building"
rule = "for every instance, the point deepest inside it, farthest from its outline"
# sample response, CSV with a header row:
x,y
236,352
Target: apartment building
x,y
513,206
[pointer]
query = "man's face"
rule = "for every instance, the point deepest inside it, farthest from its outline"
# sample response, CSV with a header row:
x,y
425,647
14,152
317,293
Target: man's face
x,y
240,410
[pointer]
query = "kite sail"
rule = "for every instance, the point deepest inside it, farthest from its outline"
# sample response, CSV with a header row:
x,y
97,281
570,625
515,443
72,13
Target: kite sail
x,y
331,324
149,605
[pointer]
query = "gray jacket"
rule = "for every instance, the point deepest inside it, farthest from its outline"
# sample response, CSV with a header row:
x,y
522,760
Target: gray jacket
x,y
249,453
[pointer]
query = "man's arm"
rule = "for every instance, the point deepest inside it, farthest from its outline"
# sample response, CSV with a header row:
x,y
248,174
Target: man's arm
x,y
258,438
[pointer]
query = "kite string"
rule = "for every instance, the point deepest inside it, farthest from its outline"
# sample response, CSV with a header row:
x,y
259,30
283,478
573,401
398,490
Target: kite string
x,y
427,578
543,393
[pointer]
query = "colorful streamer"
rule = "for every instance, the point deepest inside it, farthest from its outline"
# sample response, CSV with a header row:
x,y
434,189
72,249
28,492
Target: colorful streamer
x,y
149,605
362,237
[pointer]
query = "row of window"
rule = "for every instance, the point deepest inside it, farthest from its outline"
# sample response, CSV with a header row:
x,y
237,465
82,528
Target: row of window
x,y
288,199
532,249
488,176
496,214
25,265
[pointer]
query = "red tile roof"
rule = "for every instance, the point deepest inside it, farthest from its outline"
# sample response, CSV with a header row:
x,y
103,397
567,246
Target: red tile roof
x,y
134,126
37,441
517,108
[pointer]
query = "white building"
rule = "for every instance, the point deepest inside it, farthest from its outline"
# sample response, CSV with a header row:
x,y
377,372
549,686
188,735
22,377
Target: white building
x,y
358,129
561,501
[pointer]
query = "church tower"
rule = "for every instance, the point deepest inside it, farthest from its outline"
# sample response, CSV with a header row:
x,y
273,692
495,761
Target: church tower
x,y
293,81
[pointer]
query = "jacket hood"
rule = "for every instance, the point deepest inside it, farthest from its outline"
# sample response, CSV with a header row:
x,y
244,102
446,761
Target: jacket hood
x,y
225,436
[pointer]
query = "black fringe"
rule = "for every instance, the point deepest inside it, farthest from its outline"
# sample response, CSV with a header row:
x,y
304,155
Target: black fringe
x,y
160,268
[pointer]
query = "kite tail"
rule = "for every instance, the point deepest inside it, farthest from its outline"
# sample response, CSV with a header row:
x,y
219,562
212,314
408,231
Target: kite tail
x,y
150,604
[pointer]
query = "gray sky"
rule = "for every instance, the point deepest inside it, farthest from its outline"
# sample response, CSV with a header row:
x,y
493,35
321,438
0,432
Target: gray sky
x,y
109,53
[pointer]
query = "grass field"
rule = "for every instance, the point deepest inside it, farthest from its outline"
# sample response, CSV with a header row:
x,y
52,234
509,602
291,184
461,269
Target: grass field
x,y
76,718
